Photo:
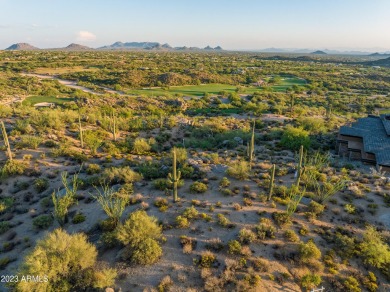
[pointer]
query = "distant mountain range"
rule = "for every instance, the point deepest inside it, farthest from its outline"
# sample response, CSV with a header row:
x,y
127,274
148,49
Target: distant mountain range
x,y
115,46
326,51
319,53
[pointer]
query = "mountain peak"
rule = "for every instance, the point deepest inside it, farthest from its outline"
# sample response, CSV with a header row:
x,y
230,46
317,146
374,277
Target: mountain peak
x,y
21,47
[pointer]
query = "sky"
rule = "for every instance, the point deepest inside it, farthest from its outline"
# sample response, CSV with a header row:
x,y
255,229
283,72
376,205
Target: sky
x,y
232,24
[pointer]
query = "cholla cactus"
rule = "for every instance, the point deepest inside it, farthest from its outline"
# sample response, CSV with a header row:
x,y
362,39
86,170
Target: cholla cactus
x,y
174,177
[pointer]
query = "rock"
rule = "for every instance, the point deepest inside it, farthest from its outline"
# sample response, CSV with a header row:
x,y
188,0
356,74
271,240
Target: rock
x,y
109,290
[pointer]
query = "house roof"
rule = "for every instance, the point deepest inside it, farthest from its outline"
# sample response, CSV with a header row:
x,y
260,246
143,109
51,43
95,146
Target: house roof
x,y
375,132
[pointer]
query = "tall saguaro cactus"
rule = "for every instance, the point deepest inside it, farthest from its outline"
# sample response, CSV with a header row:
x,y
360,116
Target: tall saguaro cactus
x,y
271,182
251,146
6,142
113,125
81,133
174,177
299,168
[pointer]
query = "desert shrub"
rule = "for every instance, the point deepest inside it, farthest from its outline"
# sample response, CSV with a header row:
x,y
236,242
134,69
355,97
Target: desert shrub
x,y
140,233
370,282
4,262
246,236
265,229
4,227
207,259
152,170
239,170
316,208
146,253
345,245
163,184
198,187
182,222
352,285
12,167
165,284
181,155
43,221
310,281
215,244
223,221
290,235
140,146
234,247
224,183
308,252
374,250
190,213
293,138
93,168
281,218
41,184
92,140
29,141
5,204
121,175
78,218
68,261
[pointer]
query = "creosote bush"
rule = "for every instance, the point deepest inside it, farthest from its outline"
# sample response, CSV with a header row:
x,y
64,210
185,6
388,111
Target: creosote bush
x,y
141,235
68,261
239,170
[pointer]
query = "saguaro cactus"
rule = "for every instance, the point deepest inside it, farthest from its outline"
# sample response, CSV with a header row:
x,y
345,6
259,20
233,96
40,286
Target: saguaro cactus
x,y
174,177
81,133
113,125
271,182
299,168
251,146
6,142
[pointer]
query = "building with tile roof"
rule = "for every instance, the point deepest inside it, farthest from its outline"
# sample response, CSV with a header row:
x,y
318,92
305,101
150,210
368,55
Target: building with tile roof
x,y
368,140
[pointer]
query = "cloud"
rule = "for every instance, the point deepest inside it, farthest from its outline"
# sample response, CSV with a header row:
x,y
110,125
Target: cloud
x,y
85,36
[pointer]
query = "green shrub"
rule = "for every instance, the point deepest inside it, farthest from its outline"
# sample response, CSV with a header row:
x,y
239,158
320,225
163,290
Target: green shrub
x,y
370,282
223,221
182,222
316,208
265,229
234,247
121,175
246,236
4,227
29,141
5,204
12,167
290,235
140,233
224,183
140,146
43,221
198,187
190,213
308,252
4,262
239,170
92,140
310,281
293,138
146,253
68,261
352,285
152,170
41,184
78,218
374,250
207,259
93,168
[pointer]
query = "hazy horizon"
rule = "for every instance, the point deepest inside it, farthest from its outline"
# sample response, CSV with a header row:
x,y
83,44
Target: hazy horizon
x,y
249,25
